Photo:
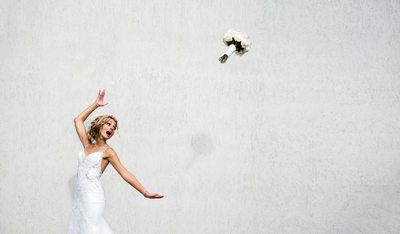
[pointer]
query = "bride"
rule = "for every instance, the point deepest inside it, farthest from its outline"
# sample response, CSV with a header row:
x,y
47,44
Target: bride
x,y
88,204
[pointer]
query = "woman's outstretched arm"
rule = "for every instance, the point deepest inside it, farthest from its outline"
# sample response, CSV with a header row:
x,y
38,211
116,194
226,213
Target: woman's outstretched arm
x,y
127,176
80,119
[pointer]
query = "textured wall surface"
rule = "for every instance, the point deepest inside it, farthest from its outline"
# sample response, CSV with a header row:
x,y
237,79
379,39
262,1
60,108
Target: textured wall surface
x,y
300,135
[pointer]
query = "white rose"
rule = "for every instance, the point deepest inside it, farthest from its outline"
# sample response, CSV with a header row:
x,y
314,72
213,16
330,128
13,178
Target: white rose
x,y
227,37
236,35
245,43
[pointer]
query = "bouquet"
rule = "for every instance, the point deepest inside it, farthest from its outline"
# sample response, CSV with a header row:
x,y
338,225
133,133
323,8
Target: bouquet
x,y
237,42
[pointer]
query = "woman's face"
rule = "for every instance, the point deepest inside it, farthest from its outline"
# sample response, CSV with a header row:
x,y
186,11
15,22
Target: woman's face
x,y
108,129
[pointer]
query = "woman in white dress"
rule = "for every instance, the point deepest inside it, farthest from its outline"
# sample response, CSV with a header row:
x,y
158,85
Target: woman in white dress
x,y
88,204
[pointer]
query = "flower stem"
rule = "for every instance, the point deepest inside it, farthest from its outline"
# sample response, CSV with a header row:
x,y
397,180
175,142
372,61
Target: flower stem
x,y
229,52
223,58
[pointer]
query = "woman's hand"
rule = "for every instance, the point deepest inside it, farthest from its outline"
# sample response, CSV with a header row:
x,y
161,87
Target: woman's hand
x,y
152,195
100,98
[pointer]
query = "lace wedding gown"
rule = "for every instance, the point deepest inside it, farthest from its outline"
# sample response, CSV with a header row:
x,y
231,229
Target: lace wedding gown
x,y
88,204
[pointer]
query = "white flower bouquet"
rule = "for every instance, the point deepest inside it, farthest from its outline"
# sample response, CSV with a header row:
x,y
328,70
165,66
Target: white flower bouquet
x,y
237,42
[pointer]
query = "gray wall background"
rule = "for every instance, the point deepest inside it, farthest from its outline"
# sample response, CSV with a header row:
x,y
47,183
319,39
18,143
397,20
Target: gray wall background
x,y
300,135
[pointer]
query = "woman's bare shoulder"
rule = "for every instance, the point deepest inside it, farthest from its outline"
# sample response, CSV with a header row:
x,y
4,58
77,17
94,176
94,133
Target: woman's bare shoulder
x,y
109,152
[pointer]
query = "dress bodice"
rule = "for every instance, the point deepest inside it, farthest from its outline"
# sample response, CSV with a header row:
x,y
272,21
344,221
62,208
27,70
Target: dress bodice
x,y
89,166
88,184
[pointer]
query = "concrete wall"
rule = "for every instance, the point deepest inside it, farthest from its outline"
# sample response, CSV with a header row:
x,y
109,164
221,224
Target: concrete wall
x,y
300,135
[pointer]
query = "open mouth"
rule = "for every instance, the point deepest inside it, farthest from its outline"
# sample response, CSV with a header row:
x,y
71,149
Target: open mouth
x,y
108,133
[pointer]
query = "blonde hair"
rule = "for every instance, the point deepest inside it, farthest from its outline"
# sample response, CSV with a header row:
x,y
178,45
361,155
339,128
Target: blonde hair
x,y
96,124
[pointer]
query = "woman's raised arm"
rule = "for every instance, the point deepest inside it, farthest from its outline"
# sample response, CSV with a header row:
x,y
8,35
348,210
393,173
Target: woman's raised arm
x,y
80,119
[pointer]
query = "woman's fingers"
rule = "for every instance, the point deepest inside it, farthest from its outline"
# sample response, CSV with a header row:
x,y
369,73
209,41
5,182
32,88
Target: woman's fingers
x,y
154,195
100,98
101,93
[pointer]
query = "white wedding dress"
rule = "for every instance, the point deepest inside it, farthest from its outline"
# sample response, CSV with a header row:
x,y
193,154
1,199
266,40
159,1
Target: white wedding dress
x,y
88,204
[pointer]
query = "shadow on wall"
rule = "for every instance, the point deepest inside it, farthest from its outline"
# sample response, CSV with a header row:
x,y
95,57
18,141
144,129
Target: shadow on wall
x,y
71,185
201,145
